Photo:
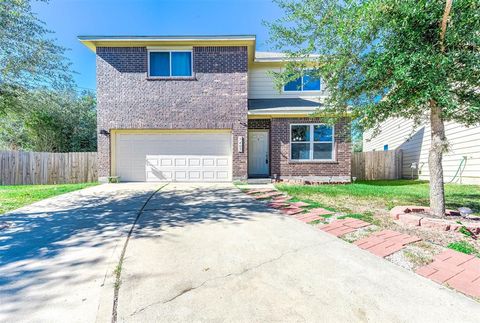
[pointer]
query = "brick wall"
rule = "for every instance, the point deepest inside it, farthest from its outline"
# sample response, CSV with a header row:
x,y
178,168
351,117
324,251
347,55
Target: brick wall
x,y
214,98
259,124
338,171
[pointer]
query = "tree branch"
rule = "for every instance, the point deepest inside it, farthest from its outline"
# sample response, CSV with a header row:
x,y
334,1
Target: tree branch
x,y
446,14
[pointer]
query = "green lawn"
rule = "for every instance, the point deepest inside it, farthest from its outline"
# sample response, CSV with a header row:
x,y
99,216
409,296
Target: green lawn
x,y
13,197
383,194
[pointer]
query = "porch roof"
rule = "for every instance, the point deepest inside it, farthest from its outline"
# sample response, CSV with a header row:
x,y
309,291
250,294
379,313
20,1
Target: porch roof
x,y
282,106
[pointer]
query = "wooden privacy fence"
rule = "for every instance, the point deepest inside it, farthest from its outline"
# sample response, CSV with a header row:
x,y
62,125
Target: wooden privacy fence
x,y
20,168
372,165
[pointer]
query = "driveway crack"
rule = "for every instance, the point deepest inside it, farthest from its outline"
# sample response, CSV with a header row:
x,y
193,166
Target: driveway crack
x,y
235,274
118,269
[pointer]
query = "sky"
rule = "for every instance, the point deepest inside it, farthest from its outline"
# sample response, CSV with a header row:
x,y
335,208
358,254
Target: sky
x,y
71,18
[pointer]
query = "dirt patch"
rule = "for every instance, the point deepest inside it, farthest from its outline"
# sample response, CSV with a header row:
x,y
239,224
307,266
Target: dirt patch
x,y
360,233
415,255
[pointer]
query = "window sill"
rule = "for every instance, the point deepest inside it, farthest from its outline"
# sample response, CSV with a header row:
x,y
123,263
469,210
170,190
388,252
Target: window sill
x,y
175,78
304,92
290,161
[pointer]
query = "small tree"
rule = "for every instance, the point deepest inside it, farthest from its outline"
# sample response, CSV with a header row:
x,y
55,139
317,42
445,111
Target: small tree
x,y
417,59
51,121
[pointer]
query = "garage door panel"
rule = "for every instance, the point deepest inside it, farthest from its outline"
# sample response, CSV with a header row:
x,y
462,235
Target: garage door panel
x,y
194,175
166,162
194,162
208,162
208,175
155,175
222,175
174,157
222,162
180,162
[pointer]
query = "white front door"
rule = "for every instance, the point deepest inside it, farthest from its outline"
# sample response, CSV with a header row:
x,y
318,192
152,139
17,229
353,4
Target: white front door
x,y
258,157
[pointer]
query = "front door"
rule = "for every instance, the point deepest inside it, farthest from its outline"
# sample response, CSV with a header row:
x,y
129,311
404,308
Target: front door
x,y
258,157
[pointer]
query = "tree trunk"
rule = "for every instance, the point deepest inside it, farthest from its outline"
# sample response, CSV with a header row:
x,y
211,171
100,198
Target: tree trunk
x,y
438,146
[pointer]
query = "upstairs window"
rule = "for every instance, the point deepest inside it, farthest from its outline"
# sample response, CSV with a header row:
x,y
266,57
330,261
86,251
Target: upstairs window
x,y
302,84
311,142
170,63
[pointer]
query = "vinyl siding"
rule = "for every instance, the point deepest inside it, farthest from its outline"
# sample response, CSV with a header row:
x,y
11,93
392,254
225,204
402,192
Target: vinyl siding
x,y
261,85
415,144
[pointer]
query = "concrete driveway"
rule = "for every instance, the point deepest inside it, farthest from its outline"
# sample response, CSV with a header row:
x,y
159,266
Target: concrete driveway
x,y
57,254
208,253
203,253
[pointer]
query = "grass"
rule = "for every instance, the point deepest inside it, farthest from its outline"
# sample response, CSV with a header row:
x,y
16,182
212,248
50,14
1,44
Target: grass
x,y
117,273
465,247
313,205
13,197
417,258
383,194
367,217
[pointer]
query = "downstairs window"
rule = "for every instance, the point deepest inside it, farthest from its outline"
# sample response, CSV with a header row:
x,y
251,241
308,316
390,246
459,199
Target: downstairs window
x,y
311,142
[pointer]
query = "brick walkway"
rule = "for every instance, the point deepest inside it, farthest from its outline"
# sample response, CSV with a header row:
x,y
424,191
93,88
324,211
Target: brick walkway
x,y
341,227
291,210
386,242
262,190
320,211
458,270
308,217
267,195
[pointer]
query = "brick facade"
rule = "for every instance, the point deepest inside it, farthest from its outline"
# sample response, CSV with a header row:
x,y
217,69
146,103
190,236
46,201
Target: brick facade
x,y
259,124
283,168
214,98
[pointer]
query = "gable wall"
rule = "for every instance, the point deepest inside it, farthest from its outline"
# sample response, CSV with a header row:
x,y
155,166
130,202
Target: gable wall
x,y
415,144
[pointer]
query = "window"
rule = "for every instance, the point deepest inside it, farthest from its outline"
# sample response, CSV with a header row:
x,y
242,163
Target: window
x,y
170,63
303,83
385,147
311,142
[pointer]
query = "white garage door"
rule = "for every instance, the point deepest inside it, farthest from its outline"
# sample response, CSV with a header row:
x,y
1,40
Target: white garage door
x,y
174,157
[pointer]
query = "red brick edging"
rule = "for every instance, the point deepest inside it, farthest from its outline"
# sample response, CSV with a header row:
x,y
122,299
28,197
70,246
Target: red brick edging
x,y
457,270
385,242
404,215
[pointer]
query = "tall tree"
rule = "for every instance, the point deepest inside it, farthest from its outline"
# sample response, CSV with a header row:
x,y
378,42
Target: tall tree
x,y
417,59
39,107
29,56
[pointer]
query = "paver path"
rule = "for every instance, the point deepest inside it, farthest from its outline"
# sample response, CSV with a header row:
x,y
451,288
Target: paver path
x,y
219,255
344,226
457,270
386,242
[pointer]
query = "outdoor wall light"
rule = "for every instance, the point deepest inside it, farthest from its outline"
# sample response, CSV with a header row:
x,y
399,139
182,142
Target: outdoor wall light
x,y
104,132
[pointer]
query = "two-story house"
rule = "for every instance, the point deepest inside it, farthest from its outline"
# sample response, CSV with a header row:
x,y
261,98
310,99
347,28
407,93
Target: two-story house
x,y
205,108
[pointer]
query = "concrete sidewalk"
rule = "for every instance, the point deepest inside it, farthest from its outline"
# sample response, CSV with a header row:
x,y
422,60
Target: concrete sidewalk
x,y
55,257
209,253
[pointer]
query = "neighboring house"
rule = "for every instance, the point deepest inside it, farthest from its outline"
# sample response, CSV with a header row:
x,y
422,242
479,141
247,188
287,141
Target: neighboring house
x,y
461,164
205,108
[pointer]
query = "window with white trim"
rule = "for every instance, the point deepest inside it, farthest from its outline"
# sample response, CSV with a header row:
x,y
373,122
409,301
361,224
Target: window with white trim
x,y
311,142
303,83
173,63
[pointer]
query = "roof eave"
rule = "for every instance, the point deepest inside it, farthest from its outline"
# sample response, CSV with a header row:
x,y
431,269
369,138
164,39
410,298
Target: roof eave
x,y
92,42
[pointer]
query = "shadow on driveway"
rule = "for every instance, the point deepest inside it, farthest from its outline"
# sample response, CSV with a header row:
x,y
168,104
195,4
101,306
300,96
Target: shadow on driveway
x,y
55,254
